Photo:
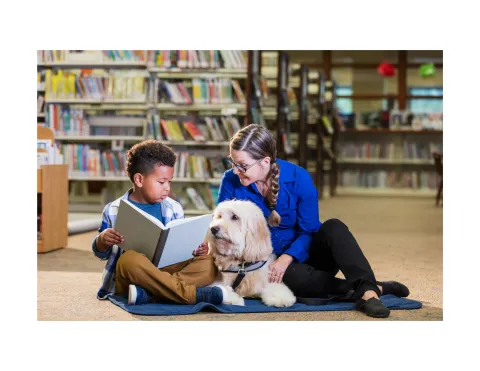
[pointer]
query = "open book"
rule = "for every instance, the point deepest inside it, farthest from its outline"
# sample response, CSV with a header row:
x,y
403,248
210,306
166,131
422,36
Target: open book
x,y
164,245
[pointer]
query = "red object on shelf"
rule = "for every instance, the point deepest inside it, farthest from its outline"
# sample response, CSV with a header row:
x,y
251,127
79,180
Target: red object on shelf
x,y
386,69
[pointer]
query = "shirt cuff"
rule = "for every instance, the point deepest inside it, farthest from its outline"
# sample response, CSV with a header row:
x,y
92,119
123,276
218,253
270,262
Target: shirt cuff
x,y
101,254
299,256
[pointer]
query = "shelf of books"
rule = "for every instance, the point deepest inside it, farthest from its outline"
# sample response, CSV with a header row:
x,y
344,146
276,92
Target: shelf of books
x,y
293,97
40,96
391,155
100,103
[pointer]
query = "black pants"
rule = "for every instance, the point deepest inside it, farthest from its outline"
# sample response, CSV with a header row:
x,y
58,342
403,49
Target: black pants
x,y
333,248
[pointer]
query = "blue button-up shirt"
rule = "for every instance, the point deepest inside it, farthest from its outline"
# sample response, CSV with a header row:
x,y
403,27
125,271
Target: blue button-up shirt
x,y
297,204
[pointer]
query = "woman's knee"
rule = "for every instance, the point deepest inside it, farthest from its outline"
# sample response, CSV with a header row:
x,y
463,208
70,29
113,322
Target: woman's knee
x,y
334,225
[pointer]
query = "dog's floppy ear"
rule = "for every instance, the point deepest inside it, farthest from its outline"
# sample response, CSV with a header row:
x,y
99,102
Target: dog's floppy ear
x,y
258,245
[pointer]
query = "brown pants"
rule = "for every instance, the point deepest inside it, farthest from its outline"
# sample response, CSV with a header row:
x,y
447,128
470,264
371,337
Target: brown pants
x,y
177,282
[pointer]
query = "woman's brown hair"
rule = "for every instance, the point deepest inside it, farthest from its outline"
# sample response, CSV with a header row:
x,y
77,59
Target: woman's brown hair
x,y
259,143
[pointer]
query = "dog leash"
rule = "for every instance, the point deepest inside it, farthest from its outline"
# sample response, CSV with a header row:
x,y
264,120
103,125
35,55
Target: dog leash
x,y
242,270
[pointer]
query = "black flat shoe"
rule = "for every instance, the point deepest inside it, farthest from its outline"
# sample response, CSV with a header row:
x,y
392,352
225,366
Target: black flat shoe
x,y
394,288
372,307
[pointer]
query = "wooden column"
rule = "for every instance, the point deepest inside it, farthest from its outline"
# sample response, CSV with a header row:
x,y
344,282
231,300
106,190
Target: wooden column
x,y
320,150
327,64
249,88
402,79
303,115
282,82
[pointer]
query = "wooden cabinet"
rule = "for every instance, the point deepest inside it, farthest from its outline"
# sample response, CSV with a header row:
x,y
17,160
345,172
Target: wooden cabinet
x,y
52,196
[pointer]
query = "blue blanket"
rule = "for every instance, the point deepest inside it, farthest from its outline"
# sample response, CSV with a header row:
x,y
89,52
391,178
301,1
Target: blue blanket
x,y
251,306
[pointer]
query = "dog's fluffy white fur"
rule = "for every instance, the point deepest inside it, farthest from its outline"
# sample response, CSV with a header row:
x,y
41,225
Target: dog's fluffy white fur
x,y
243,236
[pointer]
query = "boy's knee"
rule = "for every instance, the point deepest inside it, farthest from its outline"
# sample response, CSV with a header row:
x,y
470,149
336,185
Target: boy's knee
x,y
130,260
209,268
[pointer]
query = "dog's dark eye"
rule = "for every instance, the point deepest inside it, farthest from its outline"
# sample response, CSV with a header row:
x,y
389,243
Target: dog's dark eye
x,y
234,217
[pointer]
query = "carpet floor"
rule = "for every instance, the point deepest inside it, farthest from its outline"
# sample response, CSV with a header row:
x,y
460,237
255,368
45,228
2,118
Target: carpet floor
x,y
402,239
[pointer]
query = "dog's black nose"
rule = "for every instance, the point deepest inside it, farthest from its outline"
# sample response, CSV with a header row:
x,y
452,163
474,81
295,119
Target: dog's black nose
x,y
214,230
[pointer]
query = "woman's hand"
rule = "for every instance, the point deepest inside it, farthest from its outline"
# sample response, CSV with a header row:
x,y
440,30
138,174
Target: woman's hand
x,y
202,249
278,267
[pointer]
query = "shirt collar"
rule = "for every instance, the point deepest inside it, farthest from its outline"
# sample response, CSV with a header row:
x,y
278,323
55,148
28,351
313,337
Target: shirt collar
x,y
116,203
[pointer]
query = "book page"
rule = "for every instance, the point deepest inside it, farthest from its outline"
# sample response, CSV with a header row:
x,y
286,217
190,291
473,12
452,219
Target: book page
x,y
141,233
175,222
146,215
183,238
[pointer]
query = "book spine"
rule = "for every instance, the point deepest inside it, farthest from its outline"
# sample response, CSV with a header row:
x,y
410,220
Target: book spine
x,y
160,246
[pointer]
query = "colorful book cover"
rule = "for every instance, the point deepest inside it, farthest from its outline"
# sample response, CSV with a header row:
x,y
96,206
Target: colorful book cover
x,y
194,131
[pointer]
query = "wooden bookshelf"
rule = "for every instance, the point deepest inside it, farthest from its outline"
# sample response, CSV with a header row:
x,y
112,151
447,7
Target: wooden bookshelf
x,y
150,105
86,64
97,101
200,107
407,161
189,74
135,139
98,138
114,178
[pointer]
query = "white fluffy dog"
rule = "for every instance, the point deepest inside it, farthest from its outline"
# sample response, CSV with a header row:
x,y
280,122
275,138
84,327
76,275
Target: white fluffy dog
x,y
239,234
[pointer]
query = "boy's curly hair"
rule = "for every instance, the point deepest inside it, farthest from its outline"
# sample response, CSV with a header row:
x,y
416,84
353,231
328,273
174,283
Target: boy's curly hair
x,y
143,157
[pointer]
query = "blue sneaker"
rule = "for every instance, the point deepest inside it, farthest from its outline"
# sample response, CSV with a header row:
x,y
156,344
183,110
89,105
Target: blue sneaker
x,y
137,295
213,295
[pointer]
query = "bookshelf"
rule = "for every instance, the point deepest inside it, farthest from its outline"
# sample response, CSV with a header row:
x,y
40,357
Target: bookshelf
x,y
113,178
388,162
287,104
374,157
284,109
325,129
52,201
100,103
40,95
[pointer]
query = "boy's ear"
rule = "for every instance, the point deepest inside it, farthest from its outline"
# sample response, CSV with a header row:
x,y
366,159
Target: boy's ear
x,y
138,180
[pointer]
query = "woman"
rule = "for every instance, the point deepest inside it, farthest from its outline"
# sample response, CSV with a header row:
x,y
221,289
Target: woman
x,y
309,253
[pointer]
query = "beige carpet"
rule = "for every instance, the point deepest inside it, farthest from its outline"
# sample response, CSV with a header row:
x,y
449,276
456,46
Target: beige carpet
x,y
402,238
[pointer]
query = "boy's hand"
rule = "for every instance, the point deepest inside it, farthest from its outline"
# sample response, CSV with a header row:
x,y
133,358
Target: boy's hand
x,y
111,237
202,249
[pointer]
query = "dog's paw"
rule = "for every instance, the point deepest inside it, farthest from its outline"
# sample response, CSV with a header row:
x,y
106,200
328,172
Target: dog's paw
x,y
234,299
230,296
278,295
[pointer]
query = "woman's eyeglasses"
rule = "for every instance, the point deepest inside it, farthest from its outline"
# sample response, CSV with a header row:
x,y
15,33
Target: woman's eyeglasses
x,y
243,169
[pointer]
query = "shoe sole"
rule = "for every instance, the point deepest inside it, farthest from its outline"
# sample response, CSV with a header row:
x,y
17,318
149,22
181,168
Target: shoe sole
x,y
132,295
374,315
377,316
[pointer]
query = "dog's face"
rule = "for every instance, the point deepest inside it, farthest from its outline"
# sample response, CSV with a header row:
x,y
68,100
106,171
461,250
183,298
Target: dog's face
x,y
239,230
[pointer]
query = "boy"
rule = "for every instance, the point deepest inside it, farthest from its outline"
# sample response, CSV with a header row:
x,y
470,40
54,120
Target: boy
x,y
150,166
